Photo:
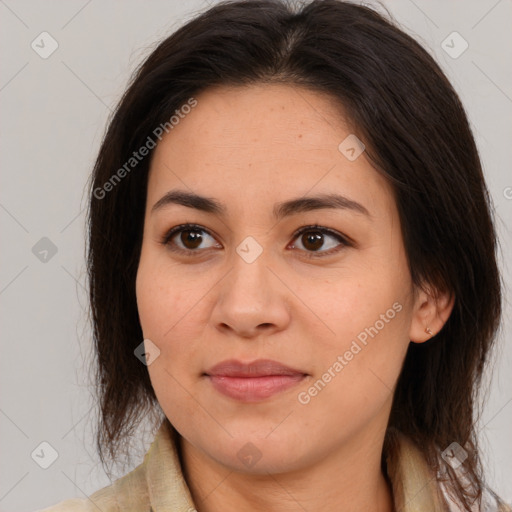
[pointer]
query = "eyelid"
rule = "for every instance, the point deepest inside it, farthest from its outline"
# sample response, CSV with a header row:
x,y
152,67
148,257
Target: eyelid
x,y
184,227
344,240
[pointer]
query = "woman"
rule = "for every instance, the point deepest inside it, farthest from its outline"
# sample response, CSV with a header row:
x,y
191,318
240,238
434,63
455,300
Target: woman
x,y
292,264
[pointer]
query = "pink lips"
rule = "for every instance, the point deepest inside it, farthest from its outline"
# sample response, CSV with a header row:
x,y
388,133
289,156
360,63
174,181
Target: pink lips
x,y
254,381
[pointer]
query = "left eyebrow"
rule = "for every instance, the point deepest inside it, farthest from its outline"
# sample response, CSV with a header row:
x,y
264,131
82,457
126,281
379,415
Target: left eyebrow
x,y
280,210
322,201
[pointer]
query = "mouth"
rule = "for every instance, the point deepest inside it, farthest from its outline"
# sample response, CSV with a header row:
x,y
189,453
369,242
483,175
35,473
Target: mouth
x,y
255,381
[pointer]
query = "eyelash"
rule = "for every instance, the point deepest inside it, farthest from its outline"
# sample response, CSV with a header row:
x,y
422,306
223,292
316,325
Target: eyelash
x,y
308,254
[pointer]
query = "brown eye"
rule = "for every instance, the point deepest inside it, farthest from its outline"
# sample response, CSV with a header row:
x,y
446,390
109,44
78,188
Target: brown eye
x,y
188,239
312,241
318,242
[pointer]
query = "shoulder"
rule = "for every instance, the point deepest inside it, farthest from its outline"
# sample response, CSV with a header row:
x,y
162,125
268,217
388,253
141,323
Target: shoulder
x,y
127,493
409,471
158,477
74,505
490,503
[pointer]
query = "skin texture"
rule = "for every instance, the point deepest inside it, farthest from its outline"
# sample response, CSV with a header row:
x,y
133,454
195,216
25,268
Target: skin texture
x,y
249,148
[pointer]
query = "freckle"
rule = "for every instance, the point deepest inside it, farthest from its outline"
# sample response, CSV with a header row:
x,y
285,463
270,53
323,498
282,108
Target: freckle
x,y
300,135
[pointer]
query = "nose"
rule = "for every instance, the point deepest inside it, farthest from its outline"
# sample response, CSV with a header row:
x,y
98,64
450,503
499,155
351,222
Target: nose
x,y
251,300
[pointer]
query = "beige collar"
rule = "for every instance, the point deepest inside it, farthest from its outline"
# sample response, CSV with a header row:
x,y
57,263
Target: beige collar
x,y
414,485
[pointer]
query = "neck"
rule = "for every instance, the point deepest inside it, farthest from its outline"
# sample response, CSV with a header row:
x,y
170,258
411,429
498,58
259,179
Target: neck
x,y
349,480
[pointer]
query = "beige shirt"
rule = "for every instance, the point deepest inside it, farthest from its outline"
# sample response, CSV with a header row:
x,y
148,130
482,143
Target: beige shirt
x,y
158,485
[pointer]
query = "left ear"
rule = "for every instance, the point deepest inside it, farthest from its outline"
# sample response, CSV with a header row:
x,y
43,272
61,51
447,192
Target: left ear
x,y
431,311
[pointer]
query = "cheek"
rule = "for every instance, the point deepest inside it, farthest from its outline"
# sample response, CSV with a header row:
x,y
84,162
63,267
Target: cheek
x,y
357,364
357,305
355,380
161,304
161,299
375,339
170,317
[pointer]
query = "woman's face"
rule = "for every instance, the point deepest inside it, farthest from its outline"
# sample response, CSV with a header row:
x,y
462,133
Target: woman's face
x,y
334,305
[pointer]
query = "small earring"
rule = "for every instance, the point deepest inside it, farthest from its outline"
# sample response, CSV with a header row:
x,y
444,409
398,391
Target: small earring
x,y
428,331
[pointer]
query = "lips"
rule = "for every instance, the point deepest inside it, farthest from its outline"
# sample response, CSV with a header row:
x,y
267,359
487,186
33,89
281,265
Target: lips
x,y
255,381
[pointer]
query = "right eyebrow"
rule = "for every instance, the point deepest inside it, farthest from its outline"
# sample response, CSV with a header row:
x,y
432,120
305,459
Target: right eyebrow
x,y
191,200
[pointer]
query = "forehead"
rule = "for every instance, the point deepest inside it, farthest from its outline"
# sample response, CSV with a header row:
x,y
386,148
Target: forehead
x,y
241,142
260,116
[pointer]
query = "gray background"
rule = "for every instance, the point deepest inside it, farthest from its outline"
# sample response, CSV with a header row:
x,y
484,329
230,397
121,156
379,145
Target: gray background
x,y
54,112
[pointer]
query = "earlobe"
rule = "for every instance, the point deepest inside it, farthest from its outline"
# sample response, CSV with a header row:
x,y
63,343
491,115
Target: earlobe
x,y
431,311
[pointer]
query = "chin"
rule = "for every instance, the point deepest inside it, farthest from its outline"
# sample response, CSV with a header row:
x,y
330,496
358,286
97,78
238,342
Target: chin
x,y
256,454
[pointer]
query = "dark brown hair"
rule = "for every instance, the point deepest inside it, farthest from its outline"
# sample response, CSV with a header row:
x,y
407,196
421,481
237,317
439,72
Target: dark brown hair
x,y
400,104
